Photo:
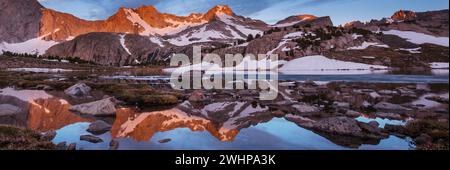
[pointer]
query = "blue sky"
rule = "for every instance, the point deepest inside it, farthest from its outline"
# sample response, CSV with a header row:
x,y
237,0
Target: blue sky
x,y
270,11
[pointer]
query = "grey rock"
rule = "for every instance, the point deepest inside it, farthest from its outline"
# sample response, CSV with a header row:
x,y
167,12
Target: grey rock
x,y
105,107
197,96
374,124
352,113
394,116
20,20
72,147
91,138
61,146
99,127
423,139
305,108
385,106
339,125
78,90
50,135
164,140
113,145
369,128
9,110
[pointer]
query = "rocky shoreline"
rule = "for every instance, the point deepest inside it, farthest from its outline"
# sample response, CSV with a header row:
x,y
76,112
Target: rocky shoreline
x,y
328,109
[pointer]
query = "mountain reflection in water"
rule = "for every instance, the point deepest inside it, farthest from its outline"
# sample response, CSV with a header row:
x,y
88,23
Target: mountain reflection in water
x,y
219,125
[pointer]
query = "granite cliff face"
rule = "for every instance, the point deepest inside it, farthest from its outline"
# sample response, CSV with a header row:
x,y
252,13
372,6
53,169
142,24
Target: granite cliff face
x,y
146,36
404,15
19,20
145,20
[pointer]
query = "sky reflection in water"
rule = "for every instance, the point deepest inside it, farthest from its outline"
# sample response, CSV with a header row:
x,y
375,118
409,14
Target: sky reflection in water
x,y
275,134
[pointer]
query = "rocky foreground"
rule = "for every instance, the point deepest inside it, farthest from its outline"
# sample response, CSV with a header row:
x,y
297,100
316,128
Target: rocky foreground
x,y
328,109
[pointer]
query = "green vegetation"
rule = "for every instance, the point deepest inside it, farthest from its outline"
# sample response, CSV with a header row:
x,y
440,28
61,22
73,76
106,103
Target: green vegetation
x,y
140,94
14,138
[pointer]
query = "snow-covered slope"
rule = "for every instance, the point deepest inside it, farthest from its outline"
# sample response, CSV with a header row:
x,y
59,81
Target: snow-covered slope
x,y
320,65
419,38
225,27
33,46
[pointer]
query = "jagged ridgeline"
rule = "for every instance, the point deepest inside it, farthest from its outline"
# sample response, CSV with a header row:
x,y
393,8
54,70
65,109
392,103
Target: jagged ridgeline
x,y
145,36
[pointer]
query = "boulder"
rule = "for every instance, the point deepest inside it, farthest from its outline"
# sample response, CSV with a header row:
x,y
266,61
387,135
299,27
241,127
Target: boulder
x,y
91,138
78,90
369,128
341,105
104,107
352,113
164,140
197,96
394,116
50,135
113,145
339,125
99,127
9,110
423,139
374,123
72,147
61,146
305,108
385,106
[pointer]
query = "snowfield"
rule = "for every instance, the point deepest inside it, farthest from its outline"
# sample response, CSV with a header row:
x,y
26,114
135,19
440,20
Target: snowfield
x,y
321,65
439,65
310,65
365,45
419,38
201,35
134,18
247,64
227,19
33,46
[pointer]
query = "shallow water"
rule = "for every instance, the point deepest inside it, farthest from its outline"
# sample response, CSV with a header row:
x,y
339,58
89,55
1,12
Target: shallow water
x,y
376,78
381,121
273,135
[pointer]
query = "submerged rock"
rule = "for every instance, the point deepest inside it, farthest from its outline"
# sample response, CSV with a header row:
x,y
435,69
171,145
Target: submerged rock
x,y
164,140
99,127
91,138
78,90
113,145
105,107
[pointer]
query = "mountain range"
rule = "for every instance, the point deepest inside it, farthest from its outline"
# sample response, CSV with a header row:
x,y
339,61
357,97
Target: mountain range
x,y
146,36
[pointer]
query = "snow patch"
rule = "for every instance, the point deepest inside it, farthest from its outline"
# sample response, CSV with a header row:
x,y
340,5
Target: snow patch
x,y
439,65
39,70
227,19
122,42
156,40
419,38
365,45
321,65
